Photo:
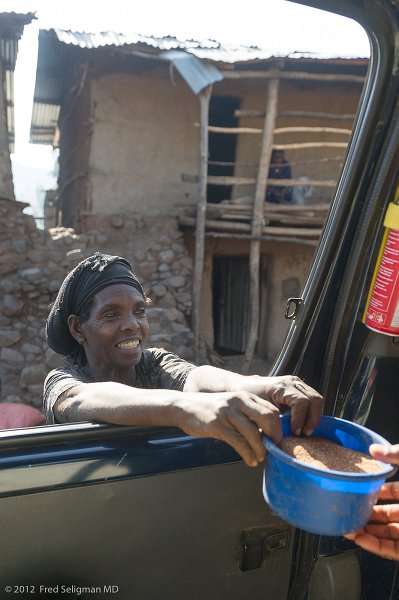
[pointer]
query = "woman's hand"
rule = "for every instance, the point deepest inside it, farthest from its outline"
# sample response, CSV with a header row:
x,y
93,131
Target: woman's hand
x,y
288,390
237,418
381,534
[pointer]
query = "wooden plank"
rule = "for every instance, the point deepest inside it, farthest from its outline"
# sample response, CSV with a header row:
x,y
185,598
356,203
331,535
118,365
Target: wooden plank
x,y
204,98
268,207
263,238
235,130
336,130
310,145
317,115
232,180
257,217
240,112
254,130
215,224
307,232
331,183
191,178
233,227
293,75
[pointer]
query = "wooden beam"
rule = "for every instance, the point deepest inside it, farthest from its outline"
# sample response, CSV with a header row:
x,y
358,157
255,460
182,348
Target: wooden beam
x,y
242,112
317,115
262,238
204,98
233,130
232,180
312,130
269,208
272,230
331,183
257,218
293,75
253,130
303,145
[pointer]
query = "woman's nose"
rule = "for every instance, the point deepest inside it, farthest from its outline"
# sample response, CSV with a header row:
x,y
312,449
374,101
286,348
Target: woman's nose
x,y
130,322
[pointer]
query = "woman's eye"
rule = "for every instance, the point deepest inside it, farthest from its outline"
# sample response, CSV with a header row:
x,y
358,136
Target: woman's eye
x,y
140,311
110,315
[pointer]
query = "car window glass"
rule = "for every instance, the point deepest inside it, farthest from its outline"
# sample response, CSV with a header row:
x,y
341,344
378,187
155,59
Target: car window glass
x,y
115,161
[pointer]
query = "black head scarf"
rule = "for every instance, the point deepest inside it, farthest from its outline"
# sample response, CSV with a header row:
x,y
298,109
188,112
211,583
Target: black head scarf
x,y
79,286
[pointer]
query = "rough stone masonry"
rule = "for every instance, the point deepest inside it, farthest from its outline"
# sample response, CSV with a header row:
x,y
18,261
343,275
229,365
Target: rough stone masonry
x,y
33,263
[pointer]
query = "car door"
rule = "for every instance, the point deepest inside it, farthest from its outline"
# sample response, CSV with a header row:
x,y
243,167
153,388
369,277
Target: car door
x,y
97,511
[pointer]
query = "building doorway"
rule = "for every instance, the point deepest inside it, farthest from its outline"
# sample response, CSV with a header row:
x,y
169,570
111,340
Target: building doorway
x,y
231,305
222,146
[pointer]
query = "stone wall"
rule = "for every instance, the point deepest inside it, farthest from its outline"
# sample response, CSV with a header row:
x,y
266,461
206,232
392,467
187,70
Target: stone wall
x,y
33,263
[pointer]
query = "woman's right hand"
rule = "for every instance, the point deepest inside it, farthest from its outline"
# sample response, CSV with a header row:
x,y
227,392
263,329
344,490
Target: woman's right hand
x,y
238,418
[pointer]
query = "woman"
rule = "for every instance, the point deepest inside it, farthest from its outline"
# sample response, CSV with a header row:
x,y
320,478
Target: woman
x,y
99,323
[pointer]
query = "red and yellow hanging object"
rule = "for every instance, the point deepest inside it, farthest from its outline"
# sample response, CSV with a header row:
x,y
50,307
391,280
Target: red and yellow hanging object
x,y
382,308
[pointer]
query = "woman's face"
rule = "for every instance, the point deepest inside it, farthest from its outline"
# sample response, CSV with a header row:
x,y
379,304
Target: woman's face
x,y
116,329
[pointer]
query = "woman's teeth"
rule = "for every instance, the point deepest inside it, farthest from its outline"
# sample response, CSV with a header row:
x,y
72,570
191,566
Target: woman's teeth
x,y
128,345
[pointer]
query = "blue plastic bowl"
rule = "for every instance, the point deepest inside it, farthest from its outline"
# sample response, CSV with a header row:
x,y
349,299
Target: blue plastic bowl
x,y
320,501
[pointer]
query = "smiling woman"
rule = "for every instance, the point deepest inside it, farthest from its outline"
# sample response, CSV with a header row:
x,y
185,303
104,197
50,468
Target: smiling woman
x,y
98,323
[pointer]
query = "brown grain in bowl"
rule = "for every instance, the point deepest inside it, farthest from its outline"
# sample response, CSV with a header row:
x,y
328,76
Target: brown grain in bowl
x,y
328,455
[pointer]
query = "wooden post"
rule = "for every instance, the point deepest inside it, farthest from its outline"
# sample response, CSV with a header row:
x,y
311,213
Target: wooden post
x,y
257,218
6,182
204,98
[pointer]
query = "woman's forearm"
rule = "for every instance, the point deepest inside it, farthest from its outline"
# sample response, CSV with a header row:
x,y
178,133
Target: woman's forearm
x,y
211,379
110,402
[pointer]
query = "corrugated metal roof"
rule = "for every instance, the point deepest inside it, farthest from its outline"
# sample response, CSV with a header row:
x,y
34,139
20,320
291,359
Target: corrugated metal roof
x,y
110,38
191,58
205,49
11,28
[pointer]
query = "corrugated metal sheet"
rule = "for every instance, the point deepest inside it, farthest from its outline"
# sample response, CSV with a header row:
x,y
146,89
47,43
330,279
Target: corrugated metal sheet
x,y
203,49
197,74
192,58
45,119
110,38
11,28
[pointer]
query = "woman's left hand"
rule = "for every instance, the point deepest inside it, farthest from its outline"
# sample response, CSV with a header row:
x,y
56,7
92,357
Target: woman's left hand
x,y
286,390
306,404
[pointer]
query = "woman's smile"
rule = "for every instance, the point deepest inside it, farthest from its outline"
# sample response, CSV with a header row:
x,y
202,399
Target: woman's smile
x,y
128,345
116,329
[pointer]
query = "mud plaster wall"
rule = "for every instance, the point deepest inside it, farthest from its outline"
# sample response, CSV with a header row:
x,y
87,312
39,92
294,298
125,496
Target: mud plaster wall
x,y
144,138
287,270
33,264
145,135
